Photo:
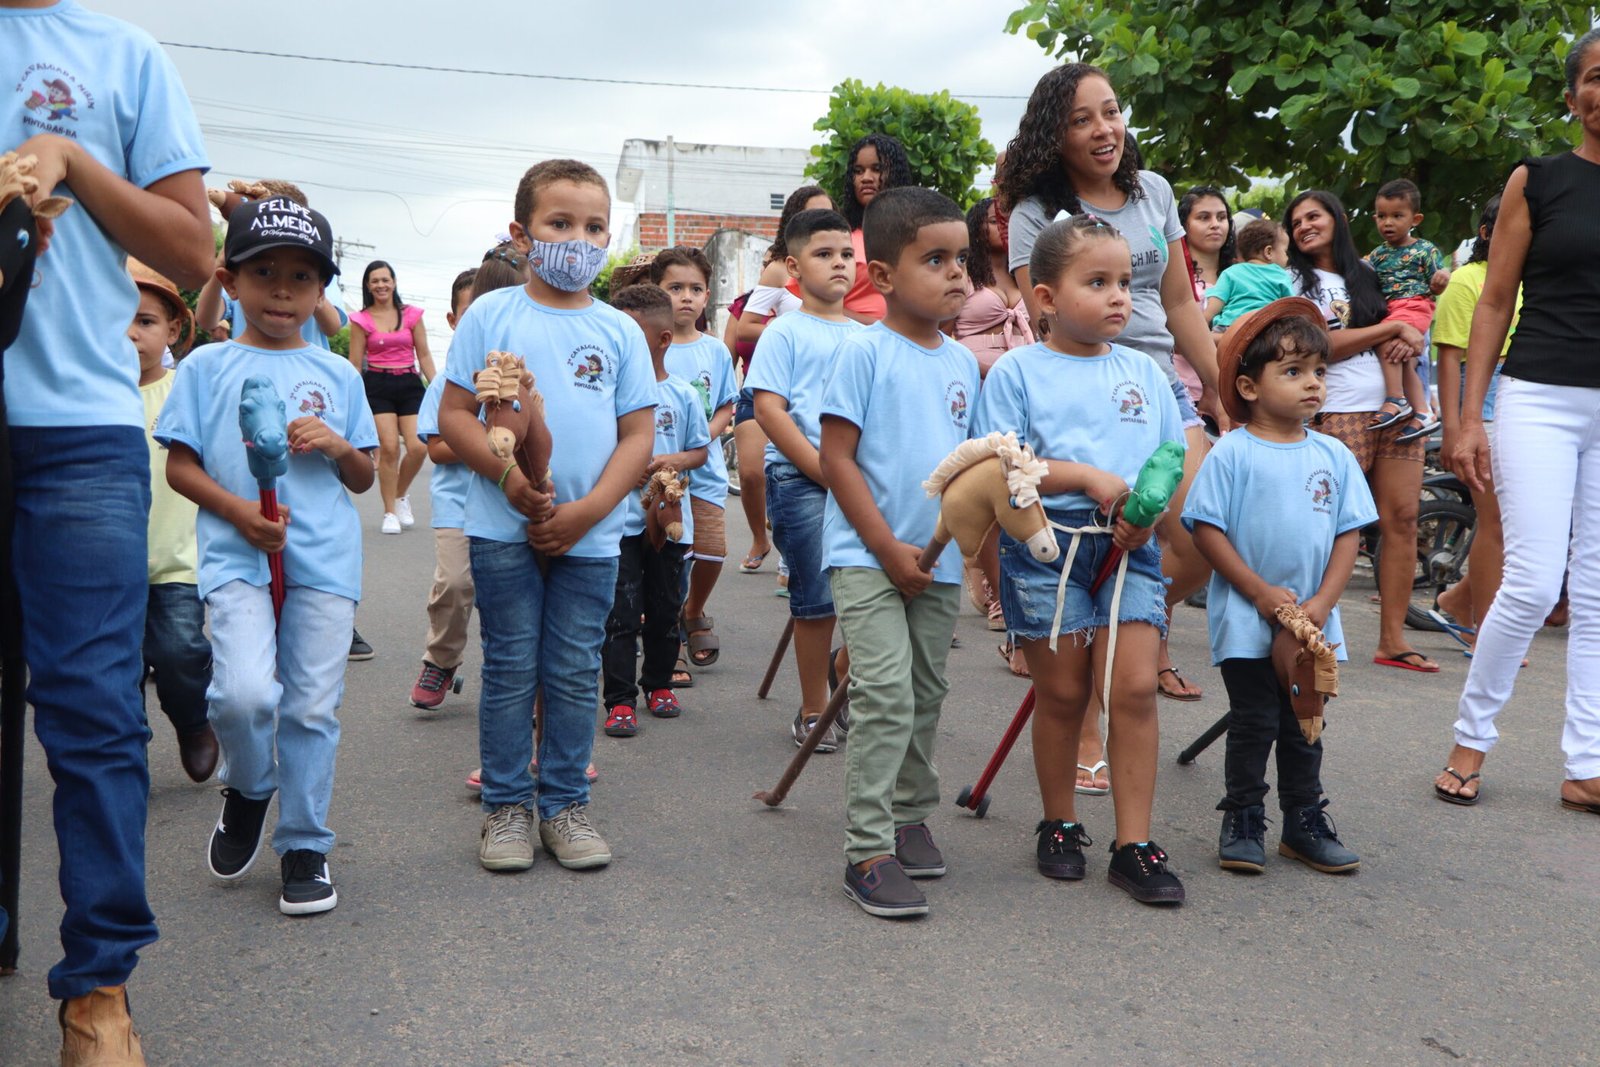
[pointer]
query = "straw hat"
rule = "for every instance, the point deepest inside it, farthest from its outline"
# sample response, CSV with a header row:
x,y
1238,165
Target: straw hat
x,y
633,272
1246,328
152,282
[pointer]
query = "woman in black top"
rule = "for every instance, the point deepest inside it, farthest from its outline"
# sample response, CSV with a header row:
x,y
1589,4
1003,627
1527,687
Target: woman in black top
x,y
1547,441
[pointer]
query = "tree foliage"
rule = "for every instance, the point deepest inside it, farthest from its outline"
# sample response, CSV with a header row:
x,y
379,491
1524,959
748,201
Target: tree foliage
x,y
1336,94
943,136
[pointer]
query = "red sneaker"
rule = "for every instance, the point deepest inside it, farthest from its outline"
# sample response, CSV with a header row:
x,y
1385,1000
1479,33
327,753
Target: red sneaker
x,y
663,704
621,721
428,693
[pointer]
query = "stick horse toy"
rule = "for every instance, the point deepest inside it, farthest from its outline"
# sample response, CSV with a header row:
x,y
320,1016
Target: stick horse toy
x,y
19,247
264,425
986,482
513,413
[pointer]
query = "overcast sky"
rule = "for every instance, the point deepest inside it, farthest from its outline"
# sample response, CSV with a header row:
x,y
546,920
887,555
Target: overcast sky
x,y
422,165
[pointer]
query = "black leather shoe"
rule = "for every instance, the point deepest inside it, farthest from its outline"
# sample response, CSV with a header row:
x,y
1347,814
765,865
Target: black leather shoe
x,y
1242,844
1309,836
198,753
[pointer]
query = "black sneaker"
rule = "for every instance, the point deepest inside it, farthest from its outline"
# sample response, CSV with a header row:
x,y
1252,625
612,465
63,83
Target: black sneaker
x,y
359,649
884,890
307,887
1061,848
236,841
1140,870
1309,836
1241,844
919,857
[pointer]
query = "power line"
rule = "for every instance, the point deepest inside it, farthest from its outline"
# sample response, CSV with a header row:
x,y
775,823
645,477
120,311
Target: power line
x,y
348,62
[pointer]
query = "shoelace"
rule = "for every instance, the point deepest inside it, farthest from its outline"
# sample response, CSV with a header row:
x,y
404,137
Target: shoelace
x,y
432,678
1318,823
572,823
504,824
1065,838
1150,858
1250,824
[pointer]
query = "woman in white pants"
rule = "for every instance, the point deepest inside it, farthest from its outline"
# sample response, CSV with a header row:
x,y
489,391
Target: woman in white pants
x,y
1546,459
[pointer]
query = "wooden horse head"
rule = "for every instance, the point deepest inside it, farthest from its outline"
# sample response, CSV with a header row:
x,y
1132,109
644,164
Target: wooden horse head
x,y
988,481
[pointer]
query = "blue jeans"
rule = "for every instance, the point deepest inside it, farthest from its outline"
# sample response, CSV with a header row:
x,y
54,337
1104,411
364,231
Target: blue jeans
x,y
796,504
177,653
275,691
83,503
540,630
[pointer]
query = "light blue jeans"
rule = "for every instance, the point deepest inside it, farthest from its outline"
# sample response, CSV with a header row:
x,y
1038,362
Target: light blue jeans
x,y
539,630
279,689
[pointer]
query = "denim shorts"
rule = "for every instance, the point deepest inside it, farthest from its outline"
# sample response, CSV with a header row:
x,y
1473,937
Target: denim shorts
x,y
744,408
795,504
1028,587
1188,414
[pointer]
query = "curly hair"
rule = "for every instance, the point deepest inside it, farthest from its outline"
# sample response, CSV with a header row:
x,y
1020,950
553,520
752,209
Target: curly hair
x,y
1486,220
1367,306
549,172
896,172
791,207
1228,252
979,269
1033,158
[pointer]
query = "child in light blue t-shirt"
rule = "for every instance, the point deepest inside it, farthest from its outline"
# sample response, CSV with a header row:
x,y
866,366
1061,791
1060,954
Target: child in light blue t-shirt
x,y
1277,511
1095,412
545,566
279,664
897,403
1258,277
649,591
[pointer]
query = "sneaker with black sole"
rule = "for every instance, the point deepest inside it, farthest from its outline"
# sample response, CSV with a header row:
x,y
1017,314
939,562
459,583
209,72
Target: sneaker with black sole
x,y
307,886
621,721
359,649
884,889
1140,870
1061,846
919,857
1241,845
802,726
573,840
1309,836
236,840
429,691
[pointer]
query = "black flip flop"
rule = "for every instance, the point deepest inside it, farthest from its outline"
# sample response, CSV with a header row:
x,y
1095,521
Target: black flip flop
x,y
1466,802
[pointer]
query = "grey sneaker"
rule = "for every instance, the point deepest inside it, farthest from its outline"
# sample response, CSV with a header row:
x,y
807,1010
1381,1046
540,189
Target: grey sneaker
x,y
571,839
919,857
506,841
801,728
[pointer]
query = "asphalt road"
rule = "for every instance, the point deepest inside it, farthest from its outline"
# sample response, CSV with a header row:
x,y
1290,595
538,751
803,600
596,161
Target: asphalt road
x,y
720,934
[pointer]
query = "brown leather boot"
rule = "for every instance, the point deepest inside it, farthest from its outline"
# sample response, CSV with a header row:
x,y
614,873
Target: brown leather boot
x,y
96,1031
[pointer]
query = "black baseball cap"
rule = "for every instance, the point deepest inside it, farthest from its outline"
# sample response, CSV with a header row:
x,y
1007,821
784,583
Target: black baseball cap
x,y
278,222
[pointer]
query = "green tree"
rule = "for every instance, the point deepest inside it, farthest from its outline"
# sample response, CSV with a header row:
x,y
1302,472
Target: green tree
x,y
1337,94
943,136
600,288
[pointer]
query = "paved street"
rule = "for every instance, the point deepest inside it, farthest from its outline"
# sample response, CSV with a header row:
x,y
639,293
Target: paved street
x,y
720,934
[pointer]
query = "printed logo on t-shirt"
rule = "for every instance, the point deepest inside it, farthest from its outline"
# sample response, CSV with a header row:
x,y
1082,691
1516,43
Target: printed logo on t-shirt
x,y
1323,487
310,397
955,398
591,367
702,385
666,421
1130,401
53,99
1156,253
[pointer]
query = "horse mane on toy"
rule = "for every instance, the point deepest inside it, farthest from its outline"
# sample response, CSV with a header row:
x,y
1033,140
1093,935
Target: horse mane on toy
x,y
1023,469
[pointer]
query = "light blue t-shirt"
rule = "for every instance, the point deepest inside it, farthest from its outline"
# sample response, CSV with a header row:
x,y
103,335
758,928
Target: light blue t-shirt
x,y
309,330
1281,506
447,485
1247,287
680,426
706,365
912,405
109,88
324,547
792,359
1109,411
592,366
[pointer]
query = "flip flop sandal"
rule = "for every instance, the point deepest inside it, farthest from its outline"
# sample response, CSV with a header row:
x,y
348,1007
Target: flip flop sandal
x,y
1456,798
1093,790
753,562
1580,805
1014,662
681,678
1187,698
704,648
1403,660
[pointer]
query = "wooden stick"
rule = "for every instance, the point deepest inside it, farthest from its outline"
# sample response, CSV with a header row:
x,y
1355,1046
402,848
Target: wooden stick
x,y
777,659
775,796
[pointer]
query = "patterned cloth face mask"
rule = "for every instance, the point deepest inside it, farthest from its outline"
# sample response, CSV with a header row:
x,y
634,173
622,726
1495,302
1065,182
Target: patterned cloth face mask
x,y
566,265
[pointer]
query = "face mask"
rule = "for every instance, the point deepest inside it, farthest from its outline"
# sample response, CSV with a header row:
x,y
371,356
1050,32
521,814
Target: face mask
x,y
566,265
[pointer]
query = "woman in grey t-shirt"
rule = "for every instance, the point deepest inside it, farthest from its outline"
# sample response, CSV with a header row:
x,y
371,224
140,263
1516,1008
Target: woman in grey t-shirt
x,y
1070,156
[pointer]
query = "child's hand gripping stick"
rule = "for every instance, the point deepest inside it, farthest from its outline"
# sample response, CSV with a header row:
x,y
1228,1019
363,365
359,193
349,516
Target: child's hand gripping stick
x,y
1152,491
264,425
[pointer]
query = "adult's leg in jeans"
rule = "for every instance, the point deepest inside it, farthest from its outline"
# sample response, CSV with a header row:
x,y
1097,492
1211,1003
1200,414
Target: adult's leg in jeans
x,y
178,653
662,594
511,599
620,654
245,690
1253,718
450,600
930,621
311,665
577,592
83,613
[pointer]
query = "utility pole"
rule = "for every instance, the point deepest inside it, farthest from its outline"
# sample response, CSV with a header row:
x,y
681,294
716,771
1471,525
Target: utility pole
x,y
672,214
340,245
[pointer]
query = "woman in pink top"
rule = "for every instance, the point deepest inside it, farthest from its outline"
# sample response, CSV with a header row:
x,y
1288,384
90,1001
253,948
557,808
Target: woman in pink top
x,y
387,346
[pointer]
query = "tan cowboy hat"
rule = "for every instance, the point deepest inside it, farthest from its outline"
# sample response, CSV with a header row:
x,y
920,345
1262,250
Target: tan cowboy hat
x,y
150,281
1246,328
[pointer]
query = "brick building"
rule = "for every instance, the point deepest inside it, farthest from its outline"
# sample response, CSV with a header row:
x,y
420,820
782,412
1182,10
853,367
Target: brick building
x,y
706,187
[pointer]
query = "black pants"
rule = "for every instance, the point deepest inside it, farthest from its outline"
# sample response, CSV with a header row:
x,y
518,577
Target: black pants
x,y
1259,713
649,583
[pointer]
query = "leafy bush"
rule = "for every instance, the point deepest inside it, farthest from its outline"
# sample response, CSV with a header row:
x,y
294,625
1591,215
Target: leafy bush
x,y
600,288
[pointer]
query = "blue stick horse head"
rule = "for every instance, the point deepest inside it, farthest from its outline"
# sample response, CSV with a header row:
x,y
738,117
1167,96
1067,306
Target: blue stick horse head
x,y
266,430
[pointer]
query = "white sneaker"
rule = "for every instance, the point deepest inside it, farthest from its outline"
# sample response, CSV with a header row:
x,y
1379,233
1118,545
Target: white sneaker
x,y
391,523
402,508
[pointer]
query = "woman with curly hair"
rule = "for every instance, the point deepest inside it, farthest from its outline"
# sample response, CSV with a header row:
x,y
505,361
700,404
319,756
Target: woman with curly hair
x,y
877,162
1071,157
